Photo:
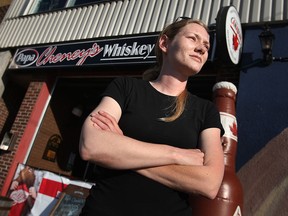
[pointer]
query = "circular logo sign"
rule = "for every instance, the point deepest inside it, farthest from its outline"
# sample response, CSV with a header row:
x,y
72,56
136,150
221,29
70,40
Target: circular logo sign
x,y
233,35
229,34
25,57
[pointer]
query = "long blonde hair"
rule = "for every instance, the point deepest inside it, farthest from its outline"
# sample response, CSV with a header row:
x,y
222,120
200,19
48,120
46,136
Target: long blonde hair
x,y
151,74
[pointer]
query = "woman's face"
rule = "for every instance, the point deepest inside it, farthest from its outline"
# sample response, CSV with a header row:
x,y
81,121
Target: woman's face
x,y
187,52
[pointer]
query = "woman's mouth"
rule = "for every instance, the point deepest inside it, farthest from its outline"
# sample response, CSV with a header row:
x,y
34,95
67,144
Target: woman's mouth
x,y
197,58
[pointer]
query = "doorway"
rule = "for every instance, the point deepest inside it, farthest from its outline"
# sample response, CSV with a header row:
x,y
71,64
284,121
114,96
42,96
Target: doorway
x,y
56,144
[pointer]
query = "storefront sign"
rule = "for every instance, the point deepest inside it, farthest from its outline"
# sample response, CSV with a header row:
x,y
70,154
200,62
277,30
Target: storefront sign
x,y
114,51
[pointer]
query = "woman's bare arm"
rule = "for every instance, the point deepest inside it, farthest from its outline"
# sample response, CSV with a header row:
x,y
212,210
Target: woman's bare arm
x,y
203,178
109,148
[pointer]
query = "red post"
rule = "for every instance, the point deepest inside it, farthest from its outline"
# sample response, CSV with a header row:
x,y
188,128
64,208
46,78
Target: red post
x,y
229,200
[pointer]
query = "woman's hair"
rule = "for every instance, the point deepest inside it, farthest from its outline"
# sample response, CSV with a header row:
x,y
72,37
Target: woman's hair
x,y
151,74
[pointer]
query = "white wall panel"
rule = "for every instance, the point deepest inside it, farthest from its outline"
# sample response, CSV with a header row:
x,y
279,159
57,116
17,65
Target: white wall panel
x,y
180,11
133,17
216,5
31,22
80,24
164,11
122,12
21,32
267,11
55,22
147,20
256,10
114,17
207,8
74,23
141,15
34,31
97,13
279,8
14,9
58,28
127,17
244,12
155,15
197,10
107,20
101,20
42,30
190,5
90,21
4,30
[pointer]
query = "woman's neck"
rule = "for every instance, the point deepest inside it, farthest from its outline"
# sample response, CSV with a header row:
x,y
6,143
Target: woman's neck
x,y
169,85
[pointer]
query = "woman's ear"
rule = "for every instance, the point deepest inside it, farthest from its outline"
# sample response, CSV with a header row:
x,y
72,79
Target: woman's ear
x,y
163,43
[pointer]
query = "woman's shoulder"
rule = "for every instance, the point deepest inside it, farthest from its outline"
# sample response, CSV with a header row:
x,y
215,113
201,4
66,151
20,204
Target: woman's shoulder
x,y
128,79
200,102
130,82
198,99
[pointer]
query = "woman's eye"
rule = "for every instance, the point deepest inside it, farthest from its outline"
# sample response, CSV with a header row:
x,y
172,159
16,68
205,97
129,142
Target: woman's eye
x,y
192,38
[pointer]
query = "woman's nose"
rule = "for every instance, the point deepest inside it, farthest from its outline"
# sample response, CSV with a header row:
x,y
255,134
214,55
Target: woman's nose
x,y
200,49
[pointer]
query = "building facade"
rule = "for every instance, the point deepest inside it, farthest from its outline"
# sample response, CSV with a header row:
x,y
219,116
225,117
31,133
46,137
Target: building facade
x,y
45,100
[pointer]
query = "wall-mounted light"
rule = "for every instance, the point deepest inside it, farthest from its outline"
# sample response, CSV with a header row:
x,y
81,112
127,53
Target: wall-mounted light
x,y
266,39
8,141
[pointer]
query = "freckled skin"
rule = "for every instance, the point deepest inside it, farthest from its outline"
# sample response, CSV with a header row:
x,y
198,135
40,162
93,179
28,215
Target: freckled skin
x,y
188,51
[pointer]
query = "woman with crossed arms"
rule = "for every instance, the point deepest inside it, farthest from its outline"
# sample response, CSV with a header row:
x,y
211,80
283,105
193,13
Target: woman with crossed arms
x,y
153,141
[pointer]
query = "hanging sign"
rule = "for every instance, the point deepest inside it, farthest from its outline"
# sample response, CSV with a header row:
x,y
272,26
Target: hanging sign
x,y
229,35
114,51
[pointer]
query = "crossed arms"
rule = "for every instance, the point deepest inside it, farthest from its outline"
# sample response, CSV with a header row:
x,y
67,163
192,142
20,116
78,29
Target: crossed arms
x,y
197,171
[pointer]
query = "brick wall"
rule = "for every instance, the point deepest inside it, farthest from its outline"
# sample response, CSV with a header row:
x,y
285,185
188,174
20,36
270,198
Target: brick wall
x,y
3,114
18,126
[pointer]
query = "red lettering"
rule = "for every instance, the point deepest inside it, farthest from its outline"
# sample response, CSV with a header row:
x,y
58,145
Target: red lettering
x,y
45,56
82,55
91,52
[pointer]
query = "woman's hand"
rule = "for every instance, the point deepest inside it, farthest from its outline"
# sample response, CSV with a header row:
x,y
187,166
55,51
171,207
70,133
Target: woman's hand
x,y
105,121
189,157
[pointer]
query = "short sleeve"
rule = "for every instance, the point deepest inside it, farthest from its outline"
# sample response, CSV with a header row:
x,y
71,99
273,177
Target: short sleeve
x,y
212,118
118,89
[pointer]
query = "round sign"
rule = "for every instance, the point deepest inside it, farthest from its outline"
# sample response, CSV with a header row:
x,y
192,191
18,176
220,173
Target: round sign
x,y
229,34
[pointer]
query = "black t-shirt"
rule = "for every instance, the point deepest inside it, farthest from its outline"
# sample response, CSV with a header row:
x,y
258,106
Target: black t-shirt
x,y
126,193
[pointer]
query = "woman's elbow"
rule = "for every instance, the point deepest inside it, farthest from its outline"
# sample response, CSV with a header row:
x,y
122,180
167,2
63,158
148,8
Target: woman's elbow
x,y
92,151
209,191
86,148
212,187
212,192
85,154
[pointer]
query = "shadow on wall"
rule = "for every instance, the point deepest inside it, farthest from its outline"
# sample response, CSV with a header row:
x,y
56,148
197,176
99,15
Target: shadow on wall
x,y
265,179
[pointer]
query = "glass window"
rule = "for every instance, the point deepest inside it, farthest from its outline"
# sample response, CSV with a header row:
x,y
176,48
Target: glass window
x,y
80,2
47,5
39,6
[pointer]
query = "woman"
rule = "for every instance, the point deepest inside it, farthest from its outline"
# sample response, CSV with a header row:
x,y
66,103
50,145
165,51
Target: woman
x,y
153,140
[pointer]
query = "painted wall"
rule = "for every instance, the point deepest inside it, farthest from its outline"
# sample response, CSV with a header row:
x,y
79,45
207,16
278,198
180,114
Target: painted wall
x,y
262,100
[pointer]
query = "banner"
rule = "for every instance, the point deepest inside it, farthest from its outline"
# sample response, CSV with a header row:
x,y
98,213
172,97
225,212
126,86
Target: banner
x,y
36,192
